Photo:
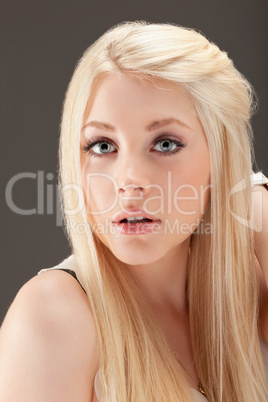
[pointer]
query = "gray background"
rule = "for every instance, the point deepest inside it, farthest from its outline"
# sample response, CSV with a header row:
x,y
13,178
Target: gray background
x,y
40,43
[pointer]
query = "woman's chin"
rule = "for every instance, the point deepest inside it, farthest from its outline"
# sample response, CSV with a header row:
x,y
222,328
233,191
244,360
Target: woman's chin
x,y
137,257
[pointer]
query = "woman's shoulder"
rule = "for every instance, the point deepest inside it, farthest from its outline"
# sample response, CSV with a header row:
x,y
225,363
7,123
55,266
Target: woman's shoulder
x,y
49,330
54,293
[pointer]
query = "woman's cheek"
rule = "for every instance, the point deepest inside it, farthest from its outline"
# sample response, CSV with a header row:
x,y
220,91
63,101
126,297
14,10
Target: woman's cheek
x,y
100,194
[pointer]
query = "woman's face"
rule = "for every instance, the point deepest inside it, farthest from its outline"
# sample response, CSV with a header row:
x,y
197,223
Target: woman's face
x,y
143,147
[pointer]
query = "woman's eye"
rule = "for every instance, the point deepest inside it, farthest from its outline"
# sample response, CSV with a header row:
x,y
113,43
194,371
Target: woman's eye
x,y
103,147
167,145
99,148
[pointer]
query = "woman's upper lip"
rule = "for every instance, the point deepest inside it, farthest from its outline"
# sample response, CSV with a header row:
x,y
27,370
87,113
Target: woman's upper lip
x,y
128,213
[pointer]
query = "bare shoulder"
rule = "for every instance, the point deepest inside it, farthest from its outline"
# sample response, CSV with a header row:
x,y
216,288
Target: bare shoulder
x,y
48,342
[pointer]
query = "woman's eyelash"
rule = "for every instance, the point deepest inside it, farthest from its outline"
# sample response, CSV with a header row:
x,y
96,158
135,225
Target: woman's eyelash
x,y
179,145
96,140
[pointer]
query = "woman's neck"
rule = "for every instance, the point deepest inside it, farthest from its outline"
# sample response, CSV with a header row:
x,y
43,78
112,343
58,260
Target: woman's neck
x,y
163,282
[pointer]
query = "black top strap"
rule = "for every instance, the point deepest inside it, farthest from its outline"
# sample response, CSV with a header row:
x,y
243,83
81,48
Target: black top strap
x,y
71,272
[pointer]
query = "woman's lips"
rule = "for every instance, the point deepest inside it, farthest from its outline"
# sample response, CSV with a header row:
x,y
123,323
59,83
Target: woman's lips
x,y
134,212
138,228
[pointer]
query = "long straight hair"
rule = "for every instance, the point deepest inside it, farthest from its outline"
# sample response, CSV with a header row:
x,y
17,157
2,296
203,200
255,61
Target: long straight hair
x,y
136,362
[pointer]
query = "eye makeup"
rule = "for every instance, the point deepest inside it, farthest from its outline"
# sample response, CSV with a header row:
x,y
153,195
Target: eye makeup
x,y
166,138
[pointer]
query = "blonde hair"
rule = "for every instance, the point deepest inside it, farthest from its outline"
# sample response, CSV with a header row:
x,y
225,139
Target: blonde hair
x,y
136,362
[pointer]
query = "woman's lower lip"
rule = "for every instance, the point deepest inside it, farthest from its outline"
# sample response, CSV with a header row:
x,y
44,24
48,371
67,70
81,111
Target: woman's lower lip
x,y
137,228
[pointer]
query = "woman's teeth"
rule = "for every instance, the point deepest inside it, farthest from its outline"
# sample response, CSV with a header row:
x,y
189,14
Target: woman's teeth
x,y
135,219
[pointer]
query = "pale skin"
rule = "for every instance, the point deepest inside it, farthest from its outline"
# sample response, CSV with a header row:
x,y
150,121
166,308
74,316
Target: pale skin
x,y
48,342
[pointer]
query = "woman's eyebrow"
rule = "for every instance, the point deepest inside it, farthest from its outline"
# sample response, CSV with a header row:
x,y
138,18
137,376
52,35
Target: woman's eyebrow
x,y
158,124
152,126
99,124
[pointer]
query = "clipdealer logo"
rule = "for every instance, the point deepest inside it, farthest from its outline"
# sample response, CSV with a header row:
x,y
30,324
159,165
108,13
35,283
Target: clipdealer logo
x,y
166,227
47,196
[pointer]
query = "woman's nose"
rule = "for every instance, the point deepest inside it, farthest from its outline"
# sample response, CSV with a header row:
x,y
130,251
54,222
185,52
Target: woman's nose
x,y
133,176
130,189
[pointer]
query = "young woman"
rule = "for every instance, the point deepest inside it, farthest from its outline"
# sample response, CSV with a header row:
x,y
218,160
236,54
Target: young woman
x,y
168,235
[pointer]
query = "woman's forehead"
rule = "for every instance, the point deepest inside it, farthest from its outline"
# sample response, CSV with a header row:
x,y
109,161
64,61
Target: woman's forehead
x,y
116,90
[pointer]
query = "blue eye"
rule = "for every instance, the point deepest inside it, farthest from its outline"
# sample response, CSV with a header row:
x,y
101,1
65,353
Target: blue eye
x,y
168,146
100,146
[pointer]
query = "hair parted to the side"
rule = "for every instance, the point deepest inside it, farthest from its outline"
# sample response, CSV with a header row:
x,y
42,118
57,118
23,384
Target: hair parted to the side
x,y
136,363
